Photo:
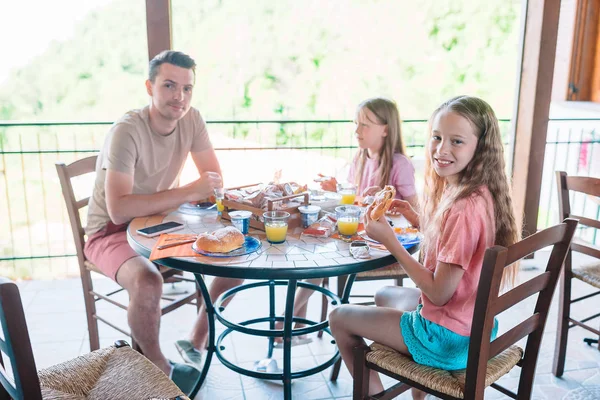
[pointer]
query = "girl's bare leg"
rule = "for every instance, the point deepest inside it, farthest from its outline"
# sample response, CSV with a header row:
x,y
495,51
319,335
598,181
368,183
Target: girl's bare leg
x,y
398,297
351,323
405,299
300,304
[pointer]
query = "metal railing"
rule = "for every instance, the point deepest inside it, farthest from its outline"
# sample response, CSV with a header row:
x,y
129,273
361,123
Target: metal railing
x,y
36,239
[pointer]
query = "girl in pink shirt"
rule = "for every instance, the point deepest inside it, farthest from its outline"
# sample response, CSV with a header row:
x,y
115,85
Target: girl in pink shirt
x,y
381,159
466,209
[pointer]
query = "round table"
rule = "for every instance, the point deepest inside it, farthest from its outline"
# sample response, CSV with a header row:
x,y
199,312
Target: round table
x,y
300,257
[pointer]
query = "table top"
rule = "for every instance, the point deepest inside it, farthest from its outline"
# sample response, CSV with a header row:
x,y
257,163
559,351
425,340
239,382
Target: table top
x,y
300,257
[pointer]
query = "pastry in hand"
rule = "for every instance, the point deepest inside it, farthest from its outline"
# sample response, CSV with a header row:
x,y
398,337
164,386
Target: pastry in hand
x,y
383,201
222,240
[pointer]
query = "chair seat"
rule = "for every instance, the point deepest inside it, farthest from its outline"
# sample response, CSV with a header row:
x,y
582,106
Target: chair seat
x,y
448,382
93,376
589,274
391,271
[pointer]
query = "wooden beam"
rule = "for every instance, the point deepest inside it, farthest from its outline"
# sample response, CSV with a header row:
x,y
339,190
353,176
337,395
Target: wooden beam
x,y
158,26
530,122
585,38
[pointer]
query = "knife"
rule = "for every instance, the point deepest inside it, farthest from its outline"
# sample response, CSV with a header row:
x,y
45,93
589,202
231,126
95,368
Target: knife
x,y
166,246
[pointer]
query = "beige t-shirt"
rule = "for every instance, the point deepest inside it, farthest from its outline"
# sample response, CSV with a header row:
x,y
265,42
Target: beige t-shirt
x,y
155,161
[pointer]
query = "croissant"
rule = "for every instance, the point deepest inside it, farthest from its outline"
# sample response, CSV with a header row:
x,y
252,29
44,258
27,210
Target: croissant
x,y
383,201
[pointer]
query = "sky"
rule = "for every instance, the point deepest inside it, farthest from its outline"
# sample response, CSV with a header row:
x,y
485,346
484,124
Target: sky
x,y
29,26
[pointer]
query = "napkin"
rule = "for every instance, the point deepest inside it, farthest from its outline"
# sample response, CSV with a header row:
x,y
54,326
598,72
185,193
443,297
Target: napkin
x,y
184,250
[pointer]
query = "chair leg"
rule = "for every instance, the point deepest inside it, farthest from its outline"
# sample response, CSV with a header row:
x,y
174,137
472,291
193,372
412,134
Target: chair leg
x,y
341,284
335,371
324,305
361,372
90,311
199,299
562,329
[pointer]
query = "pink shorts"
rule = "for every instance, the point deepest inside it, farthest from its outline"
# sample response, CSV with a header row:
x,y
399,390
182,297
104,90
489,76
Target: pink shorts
x,y
108,249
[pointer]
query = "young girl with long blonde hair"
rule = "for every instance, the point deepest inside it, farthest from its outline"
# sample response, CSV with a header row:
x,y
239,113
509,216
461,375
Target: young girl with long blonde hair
x,y
381,159
466,208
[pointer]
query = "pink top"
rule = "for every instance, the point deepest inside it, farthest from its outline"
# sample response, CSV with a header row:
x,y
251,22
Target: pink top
x,y
468,231
402,175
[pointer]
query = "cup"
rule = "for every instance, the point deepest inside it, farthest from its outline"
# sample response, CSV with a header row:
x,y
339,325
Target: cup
x,y
276,225
241,220
219,196
347,221
348,192
309,215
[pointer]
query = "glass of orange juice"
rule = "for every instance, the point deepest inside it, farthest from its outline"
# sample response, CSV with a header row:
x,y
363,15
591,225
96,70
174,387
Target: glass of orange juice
x,y
348,192
219,196
276,225
347,221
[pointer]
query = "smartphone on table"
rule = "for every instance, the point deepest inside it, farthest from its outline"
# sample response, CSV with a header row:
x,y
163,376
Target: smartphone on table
x,y
155,230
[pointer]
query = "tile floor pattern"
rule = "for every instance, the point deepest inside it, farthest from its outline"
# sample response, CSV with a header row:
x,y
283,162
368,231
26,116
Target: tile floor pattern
x,y
56,319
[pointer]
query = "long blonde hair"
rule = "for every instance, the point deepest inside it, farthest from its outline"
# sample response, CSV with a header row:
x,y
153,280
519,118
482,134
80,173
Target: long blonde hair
x,y
386,113
486,168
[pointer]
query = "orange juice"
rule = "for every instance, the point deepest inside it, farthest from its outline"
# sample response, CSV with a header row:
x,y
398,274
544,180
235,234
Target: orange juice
x,y
220,206
347,197
276,231
347,226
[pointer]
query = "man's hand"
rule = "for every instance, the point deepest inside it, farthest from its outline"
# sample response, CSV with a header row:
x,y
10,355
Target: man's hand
x,y
204,186
403,207
370,191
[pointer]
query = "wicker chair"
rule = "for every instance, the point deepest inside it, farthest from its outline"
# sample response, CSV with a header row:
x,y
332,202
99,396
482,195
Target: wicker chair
x,y
487,362
66,173
115,372
590,189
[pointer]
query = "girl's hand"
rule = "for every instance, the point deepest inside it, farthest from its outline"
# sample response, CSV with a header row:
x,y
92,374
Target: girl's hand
x,y
370,191
329,185
403,207
379,230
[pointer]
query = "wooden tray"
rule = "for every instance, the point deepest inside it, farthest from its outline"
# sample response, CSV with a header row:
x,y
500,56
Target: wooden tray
x,y
256,219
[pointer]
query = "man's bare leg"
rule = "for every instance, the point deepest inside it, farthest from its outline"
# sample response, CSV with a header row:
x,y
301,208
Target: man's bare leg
x,y
199,334
143,282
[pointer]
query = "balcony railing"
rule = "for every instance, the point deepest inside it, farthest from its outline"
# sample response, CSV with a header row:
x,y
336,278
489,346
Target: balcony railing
x,y
36,240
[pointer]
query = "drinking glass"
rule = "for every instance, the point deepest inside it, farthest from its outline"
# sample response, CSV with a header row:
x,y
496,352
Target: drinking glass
x,y
219,196
276,225
347,221
348,192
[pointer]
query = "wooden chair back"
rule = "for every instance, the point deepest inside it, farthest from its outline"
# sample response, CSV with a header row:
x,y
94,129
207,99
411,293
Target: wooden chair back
x,y
490,302
16,346
65,174
576,188
569,185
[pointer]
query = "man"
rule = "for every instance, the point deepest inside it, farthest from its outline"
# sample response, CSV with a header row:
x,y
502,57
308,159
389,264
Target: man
x,y
137,175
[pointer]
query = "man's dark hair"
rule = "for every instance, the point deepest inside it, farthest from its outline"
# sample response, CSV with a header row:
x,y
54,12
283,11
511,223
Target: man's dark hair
x,y
176,58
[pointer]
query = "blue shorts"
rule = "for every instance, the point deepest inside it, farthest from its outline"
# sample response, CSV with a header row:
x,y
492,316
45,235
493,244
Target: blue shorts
x,y
433,345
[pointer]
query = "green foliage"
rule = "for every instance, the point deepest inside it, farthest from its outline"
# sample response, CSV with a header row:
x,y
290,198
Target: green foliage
x,y
313,59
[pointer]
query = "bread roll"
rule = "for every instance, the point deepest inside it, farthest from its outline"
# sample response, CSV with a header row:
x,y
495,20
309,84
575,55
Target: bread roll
x,y
222,240
383,201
